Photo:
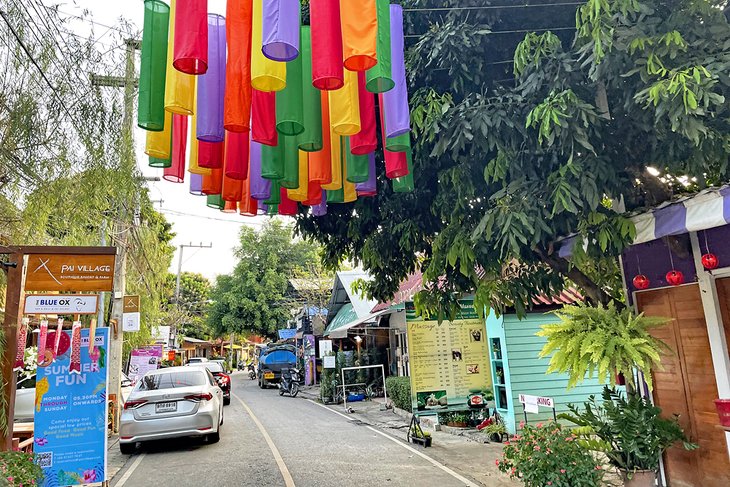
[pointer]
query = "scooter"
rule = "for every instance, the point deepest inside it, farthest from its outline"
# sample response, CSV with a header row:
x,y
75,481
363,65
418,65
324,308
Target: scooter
x,y
251,372
289,382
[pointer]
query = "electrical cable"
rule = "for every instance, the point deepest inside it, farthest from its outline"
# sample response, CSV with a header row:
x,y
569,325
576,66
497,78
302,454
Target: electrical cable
x,y
492,7
499,32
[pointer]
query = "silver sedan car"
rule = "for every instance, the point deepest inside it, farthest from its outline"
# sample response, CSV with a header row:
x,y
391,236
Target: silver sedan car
x,y
172,403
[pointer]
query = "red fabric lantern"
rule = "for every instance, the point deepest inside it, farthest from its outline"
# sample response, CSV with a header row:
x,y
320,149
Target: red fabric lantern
x,y
263,114
191,37
641,282
287,207
675,277
176,172
710,261
366,141
327,69
210,154
236,155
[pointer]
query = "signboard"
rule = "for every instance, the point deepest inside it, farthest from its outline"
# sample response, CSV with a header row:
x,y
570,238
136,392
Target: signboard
x,y
449,361
61,304
329,362
162,334
130,314
65,273
287,333
142,360
325,348
71,415
532,403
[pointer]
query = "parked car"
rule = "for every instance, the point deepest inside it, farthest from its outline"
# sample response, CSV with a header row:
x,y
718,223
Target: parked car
x,y
223,363
196,360
272,360
172,403
223,379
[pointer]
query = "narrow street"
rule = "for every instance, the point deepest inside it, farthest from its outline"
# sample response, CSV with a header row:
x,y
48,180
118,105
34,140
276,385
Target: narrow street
x,y
309,444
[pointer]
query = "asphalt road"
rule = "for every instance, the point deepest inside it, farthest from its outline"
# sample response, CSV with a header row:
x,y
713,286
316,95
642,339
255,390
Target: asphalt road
x,y
268,440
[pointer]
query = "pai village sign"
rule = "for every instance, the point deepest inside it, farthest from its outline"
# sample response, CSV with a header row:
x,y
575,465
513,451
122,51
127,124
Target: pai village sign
x,y
47,269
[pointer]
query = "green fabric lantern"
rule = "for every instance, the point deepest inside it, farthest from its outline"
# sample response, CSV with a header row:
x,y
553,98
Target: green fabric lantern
x,y
272,210
275,197
357,166
162,163
291,163
272,161
379,78
311,139
151,108
399,143
215,201
289,104
405,184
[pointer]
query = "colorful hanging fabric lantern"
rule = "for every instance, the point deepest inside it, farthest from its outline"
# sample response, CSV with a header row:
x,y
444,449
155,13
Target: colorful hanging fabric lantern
x,y
310,140
301,192
272,161
260,188
404,184
22,338
151,108
357,166
289,108
210,155
359,22
179,87
335,164
287,207
230,206
321,208
266,75
248,206
349,192
380,77
399,143
327,70
272,210
74,366
365,141
159,163
369,187
213,184
212,85
291,164
191,37
215,201
237,106
236,155
158,145
263,207
314,194
281,29
396,163
275,197
320,165
193,153
176,172
395,101
196,184
344,107
263,118
336,196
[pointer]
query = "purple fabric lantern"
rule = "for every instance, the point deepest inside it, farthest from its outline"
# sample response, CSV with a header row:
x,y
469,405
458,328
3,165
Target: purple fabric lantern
x,y
260,187
395,101
263,208
281,29
369,187
212,84
196,184
321,209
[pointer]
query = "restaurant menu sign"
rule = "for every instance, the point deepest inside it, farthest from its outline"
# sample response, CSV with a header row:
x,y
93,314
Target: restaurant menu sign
x,y
449,361
65,273
143,360
61,304
71,414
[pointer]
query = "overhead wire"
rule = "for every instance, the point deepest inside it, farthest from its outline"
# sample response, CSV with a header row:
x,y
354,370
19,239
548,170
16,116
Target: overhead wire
x,y
492,7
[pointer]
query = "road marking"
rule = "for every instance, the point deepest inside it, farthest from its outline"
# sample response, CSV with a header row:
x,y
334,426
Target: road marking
x,y
288,480
130,470
395,440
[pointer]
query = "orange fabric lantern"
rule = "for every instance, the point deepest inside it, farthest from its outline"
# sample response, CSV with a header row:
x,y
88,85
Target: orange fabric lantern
x,y
359,20
237,111
320,166
335,164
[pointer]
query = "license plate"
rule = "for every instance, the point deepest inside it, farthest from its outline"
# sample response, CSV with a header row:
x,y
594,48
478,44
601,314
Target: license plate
x,y
269,375
166,407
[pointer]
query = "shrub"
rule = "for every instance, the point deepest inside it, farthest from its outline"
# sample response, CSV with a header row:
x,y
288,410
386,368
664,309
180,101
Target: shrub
x,y
18,468
549,455
399,391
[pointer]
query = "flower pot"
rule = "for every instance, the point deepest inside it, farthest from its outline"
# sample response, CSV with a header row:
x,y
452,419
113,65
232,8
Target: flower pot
x,y
455,424
723,411
495,437
640,478
426,442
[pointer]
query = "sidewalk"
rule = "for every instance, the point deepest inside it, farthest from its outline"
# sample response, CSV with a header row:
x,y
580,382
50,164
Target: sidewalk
x,y
115,460
466,454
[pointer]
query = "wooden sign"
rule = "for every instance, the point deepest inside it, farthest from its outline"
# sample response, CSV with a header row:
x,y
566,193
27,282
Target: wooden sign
x,y
61,304
61,272
131,304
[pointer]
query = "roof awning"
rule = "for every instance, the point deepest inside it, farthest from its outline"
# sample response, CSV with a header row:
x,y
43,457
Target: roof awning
x,y
341,331
235,347
345,315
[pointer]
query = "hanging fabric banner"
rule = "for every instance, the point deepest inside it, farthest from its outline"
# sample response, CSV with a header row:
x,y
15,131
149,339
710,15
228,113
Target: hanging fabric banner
x,y
215,201
320,165
275,197
236,154
159,144
281,30
287,207
193,153
321,208
57,337
263,123
20,344
404,184
396,163
42,339
179,87
176,172
191,37
230,206
237,106
92,338
291,164
349,193
300,193
310,140
212,85
399,143
289,108
359,34
266,75
75,365
327,70
248,206
357,166
210,155
335,164
151,108
380,76
365,141
263,207
369,187
260,188
345,107
395,101
196,184
314,194
272,161
213,184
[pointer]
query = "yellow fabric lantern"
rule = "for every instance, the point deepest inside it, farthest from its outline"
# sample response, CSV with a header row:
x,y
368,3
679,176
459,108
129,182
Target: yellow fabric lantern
x,y
158,144
344,107
179,87
301,193
193,167
336,163
266,75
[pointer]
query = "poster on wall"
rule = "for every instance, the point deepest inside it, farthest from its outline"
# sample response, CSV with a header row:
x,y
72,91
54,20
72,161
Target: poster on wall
x,y
71,413
142,360
449,361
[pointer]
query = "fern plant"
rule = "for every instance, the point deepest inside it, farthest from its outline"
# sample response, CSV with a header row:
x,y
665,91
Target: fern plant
x,y
602,341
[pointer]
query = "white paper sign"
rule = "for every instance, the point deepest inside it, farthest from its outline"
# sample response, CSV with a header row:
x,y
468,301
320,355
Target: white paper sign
x,y
329,362
130,322
533,403
325,347
61,304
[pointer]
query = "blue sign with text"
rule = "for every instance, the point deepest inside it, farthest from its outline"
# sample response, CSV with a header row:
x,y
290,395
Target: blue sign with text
x,y
71,415
287,333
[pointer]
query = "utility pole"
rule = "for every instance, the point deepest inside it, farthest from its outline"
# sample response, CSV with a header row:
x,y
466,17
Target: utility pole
x,y
177,281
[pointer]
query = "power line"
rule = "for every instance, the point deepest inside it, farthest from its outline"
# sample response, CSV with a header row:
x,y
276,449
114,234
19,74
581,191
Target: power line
x,y
497,32
492,7
180,213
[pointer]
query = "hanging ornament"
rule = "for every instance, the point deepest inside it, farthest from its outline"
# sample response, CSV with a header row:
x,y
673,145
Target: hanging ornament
x,y
675,277
709,261
75,365
641,282
20,350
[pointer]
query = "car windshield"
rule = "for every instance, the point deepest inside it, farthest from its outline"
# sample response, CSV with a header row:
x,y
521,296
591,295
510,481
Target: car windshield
x,y
171,380
214,367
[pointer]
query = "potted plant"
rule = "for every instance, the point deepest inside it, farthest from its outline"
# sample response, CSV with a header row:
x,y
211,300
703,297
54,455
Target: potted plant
x,y
629,431
496,351
495,431
18,468
500,375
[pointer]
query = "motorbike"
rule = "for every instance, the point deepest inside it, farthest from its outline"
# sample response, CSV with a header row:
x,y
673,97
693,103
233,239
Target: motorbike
x,y
251,372
289,383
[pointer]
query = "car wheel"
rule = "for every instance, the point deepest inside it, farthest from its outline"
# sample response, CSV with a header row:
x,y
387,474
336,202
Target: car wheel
x,y
294,390
127,448
214,437
221,423
227,400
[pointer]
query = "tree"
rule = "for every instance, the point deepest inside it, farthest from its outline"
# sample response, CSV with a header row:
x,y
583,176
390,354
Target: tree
x,y
253,298
190,311
504,171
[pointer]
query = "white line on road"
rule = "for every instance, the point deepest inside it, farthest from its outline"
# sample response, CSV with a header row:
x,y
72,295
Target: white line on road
x,y
288,480
130,470
436,463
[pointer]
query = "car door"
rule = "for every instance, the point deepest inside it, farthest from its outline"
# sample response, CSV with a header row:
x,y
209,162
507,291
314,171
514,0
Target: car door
x,y
217,393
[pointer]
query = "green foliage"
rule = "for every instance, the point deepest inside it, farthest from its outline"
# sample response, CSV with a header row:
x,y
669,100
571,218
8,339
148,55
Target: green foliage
x,y
399,391
630,432
17,468
494,429
549,455
190,312
602,341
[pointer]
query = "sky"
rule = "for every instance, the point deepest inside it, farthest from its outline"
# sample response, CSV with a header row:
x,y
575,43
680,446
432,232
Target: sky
x,y
193,223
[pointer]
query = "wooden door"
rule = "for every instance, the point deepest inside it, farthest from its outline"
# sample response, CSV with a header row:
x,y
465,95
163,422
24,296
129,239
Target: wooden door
x,y
687,387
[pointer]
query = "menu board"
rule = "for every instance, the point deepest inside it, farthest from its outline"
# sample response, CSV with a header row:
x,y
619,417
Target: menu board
x,y
449,361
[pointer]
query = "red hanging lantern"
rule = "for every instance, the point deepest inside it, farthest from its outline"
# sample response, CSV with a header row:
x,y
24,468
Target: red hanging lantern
x,y
675,277
641,282
710,261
